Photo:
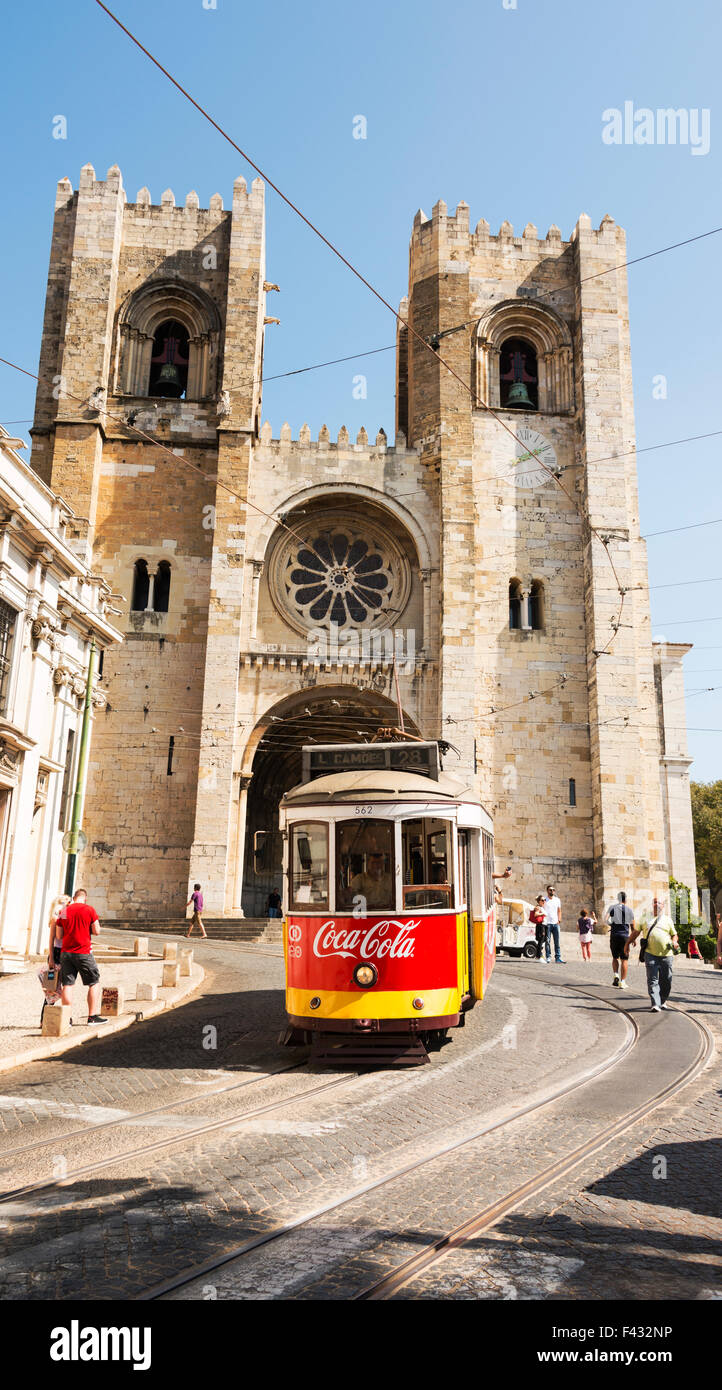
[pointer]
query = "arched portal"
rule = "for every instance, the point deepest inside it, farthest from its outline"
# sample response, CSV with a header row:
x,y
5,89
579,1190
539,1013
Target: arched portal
x,y
331,715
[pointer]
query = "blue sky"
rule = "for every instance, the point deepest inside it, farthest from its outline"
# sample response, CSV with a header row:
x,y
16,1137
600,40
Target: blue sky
x,y
499,106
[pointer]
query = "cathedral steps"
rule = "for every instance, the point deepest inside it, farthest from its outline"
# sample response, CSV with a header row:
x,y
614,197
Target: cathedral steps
x,y
252,929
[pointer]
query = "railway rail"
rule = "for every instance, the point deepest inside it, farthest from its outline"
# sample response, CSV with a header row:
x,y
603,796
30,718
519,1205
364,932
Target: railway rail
x,y
487,1216
186,1136
391,1284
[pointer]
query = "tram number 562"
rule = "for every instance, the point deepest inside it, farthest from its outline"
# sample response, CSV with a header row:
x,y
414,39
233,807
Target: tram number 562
x,y
362,810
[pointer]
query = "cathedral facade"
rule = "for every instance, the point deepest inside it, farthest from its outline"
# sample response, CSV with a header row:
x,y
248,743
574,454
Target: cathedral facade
x,y
485,585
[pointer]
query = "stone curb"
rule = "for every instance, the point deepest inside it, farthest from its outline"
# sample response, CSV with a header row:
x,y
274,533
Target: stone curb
x,y
147,1008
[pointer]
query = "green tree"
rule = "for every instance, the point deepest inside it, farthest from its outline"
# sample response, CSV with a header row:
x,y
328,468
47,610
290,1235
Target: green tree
x,y
707,824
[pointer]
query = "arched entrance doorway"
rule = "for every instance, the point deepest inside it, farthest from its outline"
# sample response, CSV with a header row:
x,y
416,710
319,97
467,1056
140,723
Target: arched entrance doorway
x,y
331,715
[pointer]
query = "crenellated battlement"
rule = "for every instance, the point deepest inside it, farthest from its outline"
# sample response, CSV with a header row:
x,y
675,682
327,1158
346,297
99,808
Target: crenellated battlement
x,y
455,227
343,443
244,199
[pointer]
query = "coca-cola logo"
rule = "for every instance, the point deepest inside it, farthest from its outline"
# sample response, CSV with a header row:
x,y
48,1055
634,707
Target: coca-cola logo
x,y
386,938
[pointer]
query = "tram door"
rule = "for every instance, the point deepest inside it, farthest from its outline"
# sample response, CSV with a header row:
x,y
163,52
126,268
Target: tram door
x,y
466,894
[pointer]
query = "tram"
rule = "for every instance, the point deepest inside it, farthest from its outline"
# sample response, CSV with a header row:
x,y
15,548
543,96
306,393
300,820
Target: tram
x,y
389,933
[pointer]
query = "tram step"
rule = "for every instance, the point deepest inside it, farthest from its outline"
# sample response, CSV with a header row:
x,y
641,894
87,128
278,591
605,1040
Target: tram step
x,y
371,1050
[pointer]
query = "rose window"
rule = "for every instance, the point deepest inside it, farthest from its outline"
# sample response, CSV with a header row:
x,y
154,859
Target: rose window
x,y
342,574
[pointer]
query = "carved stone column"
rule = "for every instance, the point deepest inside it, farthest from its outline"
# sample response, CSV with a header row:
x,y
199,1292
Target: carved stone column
x,y
244,782
257,571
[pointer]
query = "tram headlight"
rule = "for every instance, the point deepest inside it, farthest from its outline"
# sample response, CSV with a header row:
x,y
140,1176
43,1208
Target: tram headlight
x,y
366,975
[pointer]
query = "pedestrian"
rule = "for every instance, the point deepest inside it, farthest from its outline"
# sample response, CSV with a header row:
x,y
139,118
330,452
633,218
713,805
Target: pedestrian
x,y
55,945
196,898
621,920
660,945
498,896
552,923
693,950
80,922
274,904
586,927
537,919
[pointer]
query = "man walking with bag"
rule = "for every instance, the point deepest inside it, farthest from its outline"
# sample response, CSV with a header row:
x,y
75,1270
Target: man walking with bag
x,y
659,946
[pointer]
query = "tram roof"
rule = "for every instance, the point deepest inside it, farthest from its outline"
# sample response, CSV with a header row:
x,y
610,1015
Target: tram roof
x,y
383,781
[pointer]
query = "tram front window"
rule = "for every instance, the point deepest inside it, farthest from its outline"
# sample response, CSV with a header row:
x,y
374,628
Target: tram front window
x,y
309,866
365,865
426,851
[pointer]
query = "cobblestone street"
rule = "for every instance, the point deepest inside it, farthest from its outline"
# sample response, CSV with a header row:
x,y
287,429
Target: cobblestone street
x,y
311,1139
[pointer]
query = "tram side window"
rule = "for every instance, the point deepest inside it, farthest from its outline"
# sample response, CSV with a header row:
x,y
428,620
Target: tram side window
x,y
426,850
487,843
365,864
309,866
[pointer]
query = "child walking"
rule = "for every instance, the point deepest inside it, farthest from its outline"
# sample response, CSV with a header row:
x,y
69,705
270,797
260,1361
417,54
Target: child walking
x,y
196,898
586,927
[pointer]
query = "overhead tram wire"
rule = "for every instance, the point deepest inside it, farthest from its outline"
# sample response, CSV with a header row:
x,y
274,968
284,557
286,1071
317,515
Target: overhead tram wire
x,y
604,541
195,469
717,521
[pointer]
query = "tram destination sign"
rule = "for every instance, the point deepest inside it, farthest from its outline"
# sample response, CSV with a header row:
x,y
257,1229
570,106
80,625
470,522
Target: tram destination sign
x,y
322,759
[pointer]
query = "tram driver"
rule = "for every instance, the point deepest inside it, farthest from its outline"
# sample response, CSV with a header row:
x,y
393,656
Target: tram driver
x,y
374,883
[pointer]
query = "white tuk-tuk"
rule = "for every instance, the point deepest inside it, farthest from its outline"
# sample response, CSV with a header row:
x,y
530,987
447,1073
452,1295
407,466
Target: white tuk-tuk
x,y
514,932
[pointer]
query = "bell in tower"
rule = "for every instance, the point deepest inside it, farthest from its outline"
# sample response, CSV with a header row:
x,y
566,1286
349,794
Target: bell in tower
x,y
518,373
169,363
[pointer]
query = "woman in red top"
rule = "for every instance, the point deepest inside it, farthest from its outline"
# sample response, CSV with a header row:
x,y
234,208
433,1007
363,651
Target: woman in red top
x,y
536,917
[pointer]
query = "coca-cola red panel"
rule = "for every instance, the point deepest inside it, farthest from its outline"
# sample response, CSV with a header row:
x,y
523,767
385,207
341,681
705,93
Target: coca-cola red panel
x,y
408,952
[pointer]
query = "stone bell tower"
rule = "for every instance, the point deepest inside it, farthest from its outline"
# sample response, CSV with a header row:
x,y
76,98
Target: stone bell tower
x,y
545,651
153,334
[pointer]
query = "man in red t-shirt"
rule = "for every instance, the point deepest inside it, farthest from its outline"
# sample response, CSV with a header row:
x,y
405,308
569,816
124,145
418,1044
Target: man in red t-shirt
x,y
79,922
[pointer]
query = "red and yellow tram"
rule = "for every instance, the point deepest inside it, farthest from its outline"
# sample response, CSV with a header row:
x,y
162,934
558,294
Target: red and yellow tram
x,y
389,933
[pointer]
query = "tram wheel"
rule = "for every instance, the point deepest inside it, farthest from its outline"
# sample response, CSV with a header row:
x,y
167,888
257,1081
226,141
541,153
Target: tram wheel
x,y
434,1040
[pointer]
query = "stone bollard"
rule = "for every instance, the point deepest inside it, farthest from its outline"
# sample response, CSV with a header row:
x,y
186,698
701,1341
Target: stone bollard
x,y
171,975
113,1002
170,950
56,1021
141,946
186,962
146,991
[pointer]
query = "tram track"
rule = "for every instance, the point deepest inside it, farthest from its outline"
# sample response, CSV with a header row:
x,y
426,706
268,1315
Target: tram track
x,y
391,1284
238,1252
135,1117
186,1136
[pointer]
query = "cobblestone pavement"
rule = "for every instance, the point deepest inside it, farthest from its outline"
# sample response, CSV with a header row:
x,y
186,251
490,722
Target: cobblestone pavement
x,y
143,1219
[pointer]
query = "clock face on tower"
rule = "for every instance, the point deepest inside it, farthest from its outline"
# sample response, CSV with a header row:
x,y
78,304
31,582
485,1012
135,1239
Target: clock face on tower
x,y
533,451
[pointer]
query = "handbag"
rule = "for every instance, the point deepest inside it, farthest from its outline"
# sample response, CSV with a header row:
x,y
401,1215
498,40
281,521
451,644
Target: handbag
x,y
645,939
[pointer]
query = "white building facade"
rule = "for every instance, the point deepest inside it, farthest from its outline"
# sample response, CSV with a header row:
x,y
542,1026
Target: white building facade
x,y
51,610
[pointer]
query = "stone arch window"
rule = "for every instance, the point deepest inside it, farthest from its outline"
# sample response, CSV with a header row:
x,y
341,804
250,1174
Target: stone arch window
x,y
516,605
169,361
543,339
141,587
518,375
151,589
166,324
536,606
161,587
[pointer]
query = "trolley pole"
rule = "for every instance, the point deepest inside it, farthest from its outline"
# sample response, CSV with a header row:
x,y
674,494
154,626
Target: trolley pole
x,y
81,775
